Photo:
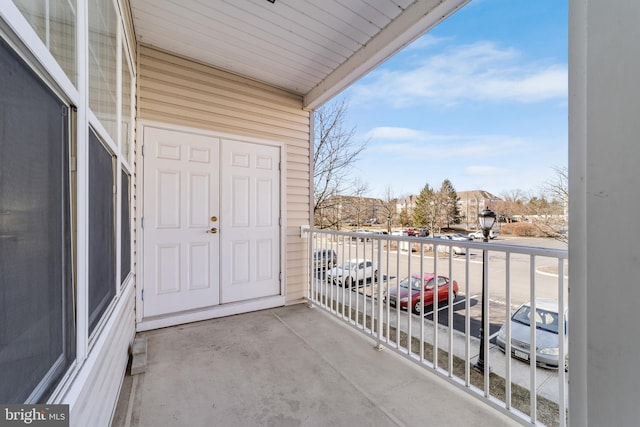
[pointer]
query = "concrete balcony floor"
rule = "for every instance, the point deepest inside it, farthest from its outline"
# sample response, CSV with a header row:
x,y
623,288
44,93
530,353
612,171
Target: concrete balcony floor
x,y
289,366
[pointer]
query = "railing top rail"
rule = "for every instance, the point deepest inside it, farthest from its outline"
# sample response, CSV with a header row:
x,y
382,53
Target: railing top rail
x,y
492,246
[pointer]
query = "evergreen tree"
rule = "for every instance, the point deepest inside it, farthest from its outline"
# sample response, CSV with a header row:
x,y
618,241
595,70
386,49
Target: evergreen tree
x,y
428,211
450,199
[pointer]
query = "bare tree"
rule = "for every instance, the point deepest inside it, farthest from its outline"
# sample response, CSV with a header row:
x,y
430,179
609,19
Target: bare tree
x,y
359,206
557,188
555,191
335,151
388,204
512,203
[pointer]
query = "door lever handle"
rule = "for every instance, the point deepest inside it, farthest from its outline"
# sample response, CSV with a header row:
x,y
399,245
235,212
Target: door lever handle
x,y
213,230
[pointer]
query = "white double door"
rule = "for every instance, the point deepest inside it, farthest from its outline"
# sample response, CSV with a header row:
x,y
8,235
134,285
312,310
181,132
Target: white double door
x,y
211,224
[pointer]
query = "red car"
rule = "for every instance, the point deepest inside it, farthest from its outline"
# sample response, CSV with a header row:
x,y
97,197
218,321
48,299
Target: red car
x,y
415,282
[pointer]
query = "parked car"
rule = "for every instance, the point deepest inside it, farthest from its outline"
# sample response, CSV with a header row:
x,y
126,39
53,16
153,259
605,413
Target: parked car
x,y
547,337
457,250
417,232
460,236
478,234
324,259
362,231
352,272
415,282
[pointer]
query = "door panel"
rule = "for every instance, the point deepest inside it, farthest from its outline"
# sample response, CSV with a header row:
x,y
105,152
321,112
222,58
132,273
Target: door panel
x,y
249,221
181,258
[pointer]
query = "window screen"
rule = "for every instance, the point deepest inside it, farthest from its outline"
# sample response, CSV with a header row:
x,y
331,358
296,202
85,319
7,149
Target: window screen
x,y
37,333
102,259
125,231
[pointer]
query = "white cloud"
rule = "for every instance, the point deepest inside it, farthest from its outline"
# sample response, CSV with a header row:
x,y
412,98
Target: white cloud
x,y
481,71
417,144
427,40
396,133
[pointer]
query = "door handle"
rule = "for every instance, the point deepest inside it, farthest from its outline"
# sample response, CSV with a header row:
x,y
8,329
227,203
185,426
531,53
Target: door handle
x,y
213,230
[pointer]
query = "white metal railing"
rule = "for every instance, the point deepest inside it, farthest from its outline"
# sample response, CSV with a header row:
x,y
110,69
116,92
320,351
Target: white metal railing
x,y
445,338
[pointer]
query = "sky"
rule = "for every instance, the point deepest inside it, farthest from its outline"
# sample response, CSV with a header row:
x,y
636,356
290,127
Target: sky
x,y
480,100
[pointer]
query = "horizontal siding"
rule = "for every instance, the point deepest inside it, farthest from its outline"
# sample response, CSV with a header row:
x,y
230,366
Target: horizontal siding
x,y
179,91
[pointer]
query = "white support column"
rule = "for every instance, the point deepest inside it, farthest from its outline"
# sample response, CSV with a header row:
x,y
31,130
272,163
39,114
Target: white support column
x,y
604,151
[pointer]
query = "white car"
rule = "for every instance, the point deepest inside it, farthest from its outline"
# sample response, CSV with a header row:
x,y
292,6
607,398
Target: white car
x,y
478,234
352,272
457,250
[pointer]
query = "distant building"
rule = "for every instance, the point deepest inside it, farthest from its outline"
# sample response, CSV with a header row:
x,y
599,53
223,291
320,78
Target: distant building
x,y
472,202
469,203
407,204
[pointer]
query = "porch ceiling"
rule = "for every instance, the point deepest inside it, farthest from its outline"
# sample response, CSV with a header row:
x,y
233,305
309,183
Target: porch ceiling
x,y
311,48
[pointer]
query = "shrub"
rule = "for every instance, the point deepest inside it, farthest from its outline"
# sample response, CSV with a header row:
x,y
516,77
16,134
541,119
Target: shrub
x,y
521,229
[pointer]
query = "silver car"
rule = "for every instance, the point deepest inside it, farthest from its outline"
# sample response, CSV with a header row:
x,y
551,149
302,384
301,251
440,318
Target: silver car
x,y
353,272
547,337
324,259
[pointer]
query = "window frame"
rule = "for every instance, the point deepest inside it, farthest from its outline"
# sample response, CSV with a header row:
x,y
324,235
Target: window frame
x,y
66,360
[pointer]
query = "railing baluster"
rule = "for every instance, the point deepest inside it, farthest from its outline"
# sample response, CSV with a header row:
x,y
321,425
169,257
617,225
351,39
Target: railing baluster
x,y
379,303
434,306
451,302
398,298
399,304
467,325
562,322
387,290
421,313
312,280
533,348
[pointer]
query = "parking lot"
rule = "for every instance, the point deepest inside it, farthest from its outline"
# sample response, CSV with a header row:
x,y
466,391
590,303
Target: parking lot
x,y
397,267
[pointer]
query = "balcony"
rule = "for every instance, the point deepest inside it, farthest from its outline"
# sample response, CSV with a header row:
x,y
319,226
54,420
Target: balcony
x,y
292,365
348,360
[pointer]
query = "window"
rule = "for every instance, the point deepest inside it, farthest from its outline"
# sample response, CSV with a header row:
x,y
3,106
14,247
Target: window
x,y
102,237
103,51
125,227
37,332
125,144
55,23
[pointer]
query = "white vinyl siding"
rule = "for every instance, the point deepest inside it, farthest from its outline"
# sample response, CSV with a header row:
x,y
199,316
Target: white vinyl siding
x,y
95,397
182,92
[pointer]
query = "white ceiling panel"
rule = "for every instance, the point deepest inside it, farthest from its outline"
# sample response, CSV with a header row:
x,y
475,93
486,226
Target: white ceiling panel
x,y
314,48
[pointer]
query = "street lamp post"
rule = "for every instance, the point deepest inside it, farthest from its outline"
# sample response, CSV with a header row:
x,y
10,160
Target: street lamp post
x,y
486,218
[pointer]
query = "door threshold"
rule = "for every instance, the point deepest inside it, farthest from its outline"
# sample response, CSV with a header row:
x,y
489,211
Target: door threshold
x,y
223,310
